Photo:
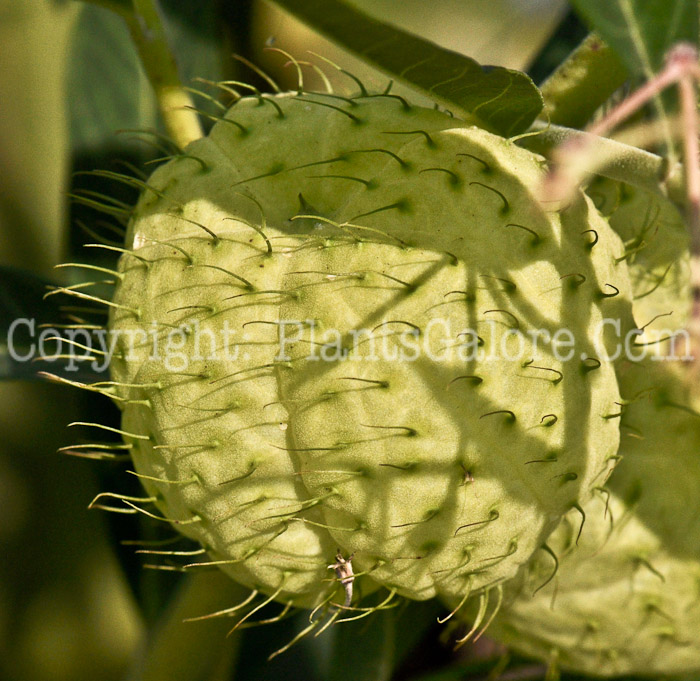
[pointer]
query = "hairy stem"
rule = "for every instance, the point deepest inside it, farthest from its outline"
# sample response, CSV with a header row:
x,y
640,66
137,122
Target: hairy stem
x,y
613,159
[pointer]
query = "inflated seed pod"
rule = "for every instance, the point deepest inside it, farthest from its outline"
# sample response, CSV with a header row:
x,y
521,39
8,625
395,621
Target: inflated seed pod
x,y
625,598
391,349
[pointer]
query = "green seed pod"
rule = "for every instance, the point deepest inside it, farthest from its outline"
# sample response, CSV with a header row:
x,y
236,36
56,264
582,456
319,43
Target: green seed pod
x,y
626,599
394,351
657,250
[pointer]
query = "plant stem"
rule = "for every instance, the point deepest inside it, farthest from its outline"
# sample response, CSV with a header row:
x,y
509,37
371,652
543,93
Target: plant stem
x,y
175,103
615,160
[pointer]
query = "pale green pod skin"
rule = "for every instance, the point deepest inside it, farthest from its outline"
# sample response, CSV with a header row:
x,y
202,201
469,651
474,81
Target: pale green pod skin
x,y
439,475
626,599
657,241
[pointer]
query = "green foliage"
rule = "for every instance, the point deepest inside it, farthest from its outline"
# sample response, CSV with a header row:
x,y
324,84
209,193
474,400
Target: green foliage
x,y
102,52
583,83
641,31
504,100
181,650
374,649
34,143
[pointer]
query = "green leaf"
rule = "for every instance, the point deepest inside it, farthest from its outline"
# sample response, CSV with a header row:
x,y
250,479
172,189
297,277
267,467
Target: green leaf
x,y
372,647
642,31
582,83
195,34
179,650
504,100
34,35
502,32
365,649
68,609
107,88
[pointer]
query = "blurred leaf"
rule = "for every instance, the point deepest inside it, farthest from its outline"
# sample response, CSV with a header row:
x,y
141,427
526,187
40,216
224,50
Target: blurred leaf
x,y
107,87
195,33
193,651
304,661
371,648
114,5
502,99
582,83
67,611
33,131
22,309
21,294
365,649
503,32
642,31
